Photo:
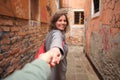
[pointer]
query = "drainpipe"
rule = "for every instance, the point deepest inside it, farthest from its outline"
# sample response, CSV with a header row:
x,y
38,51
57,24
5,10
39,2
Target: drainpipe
x,y
84,44
70,31
70,21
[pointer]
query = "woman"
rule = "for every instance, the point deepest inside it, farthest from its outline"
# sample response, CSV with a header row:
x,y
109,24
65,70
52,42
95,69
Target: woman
x,y
55,41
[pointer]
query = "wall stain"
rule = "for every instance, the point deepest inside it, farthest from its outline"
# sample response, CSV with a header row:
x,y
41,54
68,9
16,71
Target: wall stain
x,y
105,33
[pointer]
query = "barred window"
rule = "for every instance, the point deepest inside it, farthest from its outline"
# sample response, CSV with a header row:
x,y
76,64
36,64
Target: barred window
x,y
78,17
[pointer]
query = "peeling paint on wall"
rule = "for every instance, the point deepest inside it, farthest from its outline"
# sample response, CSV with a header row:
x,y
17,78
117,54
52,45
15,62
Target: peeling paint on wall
x,y
104,54
103,38
104,31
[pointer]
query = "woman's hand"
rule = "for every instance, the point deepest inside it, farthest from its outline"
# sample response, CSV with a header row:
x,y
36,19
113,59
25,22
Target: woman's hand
x,y
56,56
52,57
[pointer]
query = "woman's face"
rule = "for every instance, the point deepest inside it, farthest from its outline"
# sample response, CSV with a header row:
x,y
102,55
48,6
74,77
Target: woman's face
x,y
61,23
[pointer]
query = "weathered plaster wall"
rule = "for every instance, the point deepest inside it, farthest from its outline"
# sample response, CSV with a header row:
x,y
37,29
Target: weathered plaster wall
x,y
18,8
77,4
103,38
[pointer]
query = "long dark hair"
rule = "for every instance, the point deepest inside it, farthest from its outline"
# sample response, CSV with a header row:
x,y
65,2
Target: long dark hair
x,y
54,19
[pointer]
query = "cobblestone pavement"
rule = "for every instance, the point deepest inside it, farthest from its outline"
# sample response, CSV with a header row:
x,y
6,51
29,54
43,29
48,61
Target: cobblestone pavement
x,y
78,67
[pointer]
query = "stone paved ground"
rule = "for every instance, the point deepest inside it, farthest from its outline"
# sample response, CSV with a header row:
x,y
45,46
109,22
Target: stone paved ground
x,y
78,66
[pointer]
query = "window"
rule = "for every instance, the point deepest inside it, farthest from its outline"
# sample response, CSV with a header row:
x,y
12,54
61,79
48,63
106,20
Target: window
x,y
95,8
34,9
78,17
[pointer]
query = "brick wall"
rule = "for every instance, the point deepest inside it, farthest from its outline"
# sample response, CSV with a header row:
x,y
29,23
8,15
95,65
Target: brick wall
x,y
103,38
19,40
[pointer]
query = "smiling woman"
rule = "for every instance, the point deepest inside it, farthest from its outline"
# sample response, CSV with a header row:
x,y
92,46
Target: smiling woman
x,y
55,39
61,23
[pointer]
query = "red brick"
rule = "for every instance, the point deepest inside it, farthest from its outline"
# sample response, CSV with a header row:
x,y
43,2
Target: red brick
x,y
5,41
14,61
5,47
5,28
14,28
15,51
1,70
9,70
1,56
4,62
6,22
21,33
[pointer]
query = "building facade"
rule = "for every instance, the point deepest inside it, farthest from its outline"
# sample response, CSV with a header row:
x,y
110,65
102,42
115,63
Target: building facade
x,y
23,26
102,36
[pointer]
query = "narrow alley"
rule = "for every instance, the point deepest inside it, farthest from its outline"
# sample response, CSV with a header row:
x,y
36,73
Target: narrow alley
x,y
78,66
92,25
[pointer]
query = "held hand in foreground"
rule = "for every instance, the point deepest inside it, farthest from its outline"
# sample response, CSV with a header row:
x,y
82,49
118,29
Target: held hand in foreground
x,y
56,56
52,57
